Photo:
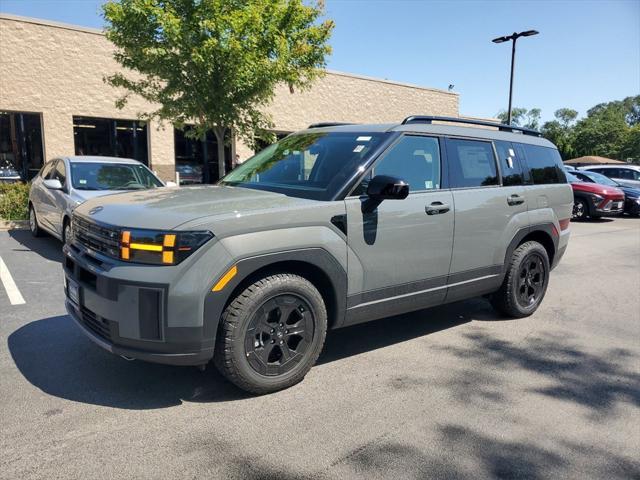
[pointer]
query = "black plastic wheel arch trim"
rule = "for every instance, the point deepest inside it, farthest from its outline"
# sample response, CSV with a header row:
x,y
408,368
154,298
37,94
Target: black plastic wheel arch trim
x,y
216,302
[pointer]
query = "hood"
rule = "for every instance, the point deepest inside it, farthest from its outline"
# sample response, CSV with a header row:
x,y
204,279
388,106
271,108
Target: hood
x,y
630,192
597,188
169,208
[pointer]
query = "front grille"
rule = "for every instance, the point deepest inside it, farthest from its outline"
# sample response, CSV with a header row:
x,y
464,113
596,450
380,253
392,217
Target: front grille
x,y
96,237
97,325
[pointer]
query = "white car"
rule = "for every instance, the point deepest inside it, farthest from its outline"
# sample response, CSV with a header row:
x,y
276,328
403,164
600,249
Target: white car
x,y
64,183
628,175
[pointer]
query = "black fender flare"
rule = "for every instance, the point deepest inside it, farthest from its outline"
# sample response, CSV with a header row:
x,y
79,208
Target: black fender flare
x,y
321,259
547,228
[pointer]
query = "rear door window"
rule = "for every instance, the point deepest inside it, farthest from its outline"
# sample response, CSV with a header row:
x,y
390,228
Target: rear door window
x,y
628,174
545,164
471,163
510,167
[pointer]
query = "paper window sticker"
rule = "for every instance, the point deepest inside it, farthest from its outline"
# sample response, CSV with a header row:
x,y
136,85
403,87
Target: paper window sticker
x,y
510,162
82,181
428,184
358,148
512,153
363,139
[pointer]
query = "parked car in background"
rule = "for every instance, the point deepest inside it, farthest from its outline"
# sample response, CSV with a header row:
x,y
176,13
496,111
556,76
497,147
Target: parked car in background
x,y
8,173
631,195
591,200
189,174
64,183
623,174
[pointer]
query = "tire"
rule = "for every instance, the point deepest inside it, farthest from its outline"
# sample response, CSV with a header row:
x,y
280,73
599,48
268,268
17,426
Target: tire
x,y
271,334
35,229
580,209
523,287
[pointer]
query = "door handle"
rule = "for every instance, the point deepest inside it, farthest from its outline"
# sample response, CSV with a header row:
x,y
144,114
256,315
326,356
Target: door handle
x,y
515,199
437,208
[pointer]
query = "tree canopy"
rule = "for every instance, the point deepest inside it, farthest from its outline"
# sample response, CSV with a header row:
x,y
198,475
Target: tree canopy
x,y
610,129
215,64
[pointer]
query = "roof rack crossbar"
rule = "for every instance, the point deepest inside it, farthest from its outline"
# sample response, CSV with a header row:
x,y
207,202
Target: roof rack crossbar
x,y
329,124
429,119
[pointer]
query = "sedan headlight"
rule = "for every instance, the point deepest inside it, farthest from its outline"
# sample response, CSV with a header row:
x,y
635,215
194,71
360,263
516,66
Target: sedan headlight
x,y
596,198
159,247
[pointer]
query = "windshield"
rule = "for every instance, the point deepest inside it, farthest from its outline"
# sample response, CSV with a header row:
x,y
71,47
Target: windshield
x,y
310,165
571,177
112,176
598,178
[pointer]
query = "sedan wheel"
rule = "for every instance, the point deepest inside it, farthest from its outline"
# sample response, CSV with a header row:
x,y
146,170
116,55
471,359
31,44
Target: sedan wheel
x,y
33,223
579,210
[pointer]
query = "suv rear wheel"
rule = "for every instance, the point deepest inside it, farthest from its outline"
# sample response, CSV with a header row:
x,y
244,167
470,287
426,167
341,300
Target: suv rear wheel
x,y
271,333
525,283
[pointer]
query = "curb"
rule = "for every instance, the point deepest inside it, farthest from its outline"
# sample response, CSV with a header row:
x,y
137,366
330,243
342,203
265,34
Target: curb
x,y
14,225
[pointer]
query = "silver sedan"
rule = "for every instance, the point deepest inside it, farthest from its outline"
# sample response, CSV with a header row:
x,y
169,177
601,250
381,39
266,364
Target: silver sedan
x,y
64,183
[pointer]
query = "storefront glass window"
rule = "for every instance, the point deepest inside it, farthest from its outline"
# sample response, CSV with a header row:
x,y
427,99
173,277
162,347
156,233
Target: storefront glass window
x,y
21,152
197,160
111,138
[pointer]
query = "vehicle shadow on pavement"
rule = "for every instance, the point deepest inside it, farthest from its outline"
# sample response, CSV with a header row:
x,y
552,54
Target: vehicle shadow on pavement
x,y
46,246
57,358
368,336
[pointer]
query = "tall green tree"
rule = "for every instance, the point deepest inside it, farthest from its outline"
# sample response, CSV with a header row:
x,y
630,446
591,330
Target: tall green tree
x,y
560,131
522,117
215,63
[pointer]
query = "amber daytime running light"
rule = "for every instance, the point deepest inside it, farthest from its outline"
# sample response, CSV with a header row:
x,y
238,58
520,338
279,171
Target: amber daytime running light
x,y
160,248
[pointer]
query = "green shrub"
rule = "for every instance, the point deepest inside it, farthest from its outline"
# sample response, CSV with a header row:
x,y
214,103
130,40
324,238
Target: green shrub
x,y
14,201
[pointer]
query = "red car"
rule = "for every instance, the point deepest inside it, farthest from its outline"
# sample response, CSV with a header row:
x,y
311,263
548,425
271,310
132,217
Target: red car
x,y
594,200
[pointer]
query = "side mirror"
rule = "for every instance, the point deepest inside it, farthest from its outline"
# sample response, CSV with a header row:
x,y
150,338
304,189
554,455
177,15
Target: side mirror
x,y
383,187
52,184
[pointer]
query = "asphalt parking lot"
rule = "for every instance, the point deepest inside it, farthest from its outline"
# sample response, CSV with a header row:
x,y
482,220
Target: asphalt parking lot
x,y
452,392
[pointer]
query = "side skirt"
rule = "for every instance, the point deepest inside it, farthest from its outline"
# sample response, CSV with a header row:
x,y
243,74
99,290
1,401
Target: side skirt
x,y
386,302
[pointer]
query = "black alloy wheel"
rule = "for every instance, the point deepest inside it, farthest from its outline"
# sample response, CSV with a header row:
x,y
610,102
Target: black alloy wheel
x,y
580,210
279,334
271,333
531,280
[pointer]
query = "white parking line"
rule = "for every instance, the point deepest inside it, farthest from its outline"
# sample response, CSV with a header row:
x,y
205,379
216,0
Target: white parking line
x,y
15,297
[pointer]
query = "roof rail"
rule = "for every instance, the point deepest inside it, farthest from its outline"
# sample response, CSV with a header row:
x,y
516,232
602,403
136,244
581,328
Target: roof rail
x,y
329,124
428,119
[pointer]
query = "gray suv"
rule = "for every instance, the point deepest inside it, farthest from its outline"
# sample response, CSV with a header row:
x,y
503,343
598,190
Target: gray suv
x,y
331,226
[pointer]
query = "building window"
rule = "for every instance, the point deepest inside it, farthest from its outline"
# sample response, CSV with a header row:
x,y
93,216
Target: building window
x,y
111,138
21,153
197,160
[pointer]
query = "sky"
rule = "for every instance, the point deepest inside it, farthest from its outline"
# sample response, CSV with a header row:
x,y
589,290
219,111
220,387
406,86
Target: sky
x,y
587,51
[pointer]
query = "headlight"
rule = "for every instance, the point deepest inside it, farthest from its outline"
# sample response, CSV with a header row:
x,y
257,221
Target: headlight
x,y
160,248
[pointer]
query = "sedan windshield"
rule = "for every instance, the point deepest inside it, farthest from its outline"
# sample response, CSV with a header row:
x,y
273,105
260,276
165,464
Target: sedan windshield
x,y
112,176
598,178
311,165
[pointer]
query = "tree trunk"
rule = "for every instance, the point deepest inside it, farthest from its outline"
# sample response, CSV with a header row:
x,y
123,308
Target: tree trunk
x,y
219,132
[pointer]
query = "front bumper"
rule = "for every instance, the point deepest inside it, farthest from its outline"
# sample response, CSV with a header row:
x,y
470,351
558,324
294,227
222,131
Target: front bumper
x,y
149,313
609,207
195,358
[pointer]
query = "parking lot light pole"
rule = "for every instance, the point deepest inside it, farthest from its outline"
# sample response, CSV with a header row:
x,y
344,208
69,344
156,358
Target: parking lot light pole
x,y
513,38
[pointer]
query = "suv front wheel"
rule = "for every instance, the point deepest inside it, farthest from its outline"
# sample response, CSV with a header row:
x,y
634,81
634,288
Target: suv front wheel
x,y
271,334
525,282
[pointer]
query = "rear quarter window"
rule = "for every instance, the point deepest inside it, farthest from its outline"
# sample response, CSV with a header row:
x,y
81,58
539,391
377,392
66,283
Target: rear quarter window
x,y
545,164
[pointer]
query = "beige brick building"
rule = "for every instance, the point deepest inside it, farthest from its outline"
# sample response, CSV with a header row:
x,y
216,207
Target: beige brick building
x,y
54,102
